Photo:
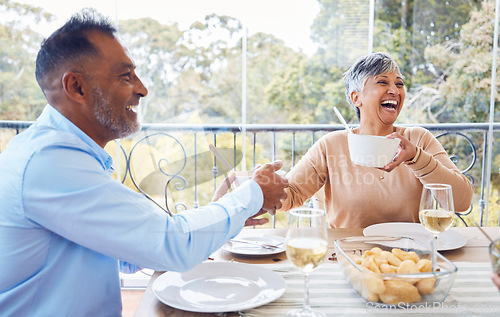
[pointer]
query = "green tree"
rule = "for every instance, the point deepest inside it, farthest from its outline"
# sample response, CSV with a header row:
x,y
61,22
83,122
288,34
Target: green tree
x,y
307,91
200,69
341,30
181,66
20,96
267,58
463,71
402,28
461,84
406,28
154,49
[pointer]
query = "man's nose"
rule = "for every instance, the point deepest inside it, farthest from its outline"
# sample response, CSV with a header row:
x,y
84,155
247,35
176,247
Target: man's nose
x,y
140,88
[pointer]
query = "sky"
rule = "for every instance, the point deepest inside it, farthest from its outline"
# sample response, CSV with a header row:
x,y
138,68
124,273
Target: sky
x,y
289,20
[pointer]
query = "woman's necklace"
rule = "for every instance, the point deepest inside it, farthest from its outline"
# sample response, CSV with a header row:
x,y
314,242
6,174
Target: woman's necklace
x,y
381,177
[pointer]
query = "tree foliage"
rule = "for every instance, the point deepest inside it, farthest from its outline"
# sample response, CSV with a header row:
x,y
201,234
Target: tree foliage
x,y
20,97
200,68
154,48
463,71
444,49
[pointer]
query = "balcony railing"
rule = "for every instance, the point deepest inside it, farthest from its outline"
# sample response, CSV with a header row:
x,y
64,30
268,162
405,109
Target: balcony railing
x,y
175,157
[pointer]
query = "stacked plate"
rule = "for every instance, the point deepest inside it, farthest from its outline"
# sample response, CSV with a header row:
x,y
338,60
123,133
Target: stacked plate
x,y
448,240
217,287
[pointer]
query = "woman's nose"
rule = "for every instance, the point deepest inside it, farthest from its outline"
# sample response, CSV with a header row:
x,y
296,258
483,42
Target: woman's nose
x,y
393,90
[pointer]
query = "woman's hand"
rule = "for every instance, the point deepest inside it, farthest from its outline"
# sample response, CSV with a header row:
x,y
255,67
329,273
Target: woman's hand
x,y
406,151
223,189
271,184
254,221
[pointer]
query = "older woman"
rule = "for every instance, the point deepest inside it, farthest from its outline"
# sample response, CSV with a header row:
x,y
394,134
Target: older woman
x,y
359,196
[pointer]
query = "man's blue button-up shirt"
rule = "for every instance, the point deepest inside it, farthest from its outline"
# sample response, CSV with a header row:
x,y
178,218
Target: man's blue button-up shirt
x,y
65,223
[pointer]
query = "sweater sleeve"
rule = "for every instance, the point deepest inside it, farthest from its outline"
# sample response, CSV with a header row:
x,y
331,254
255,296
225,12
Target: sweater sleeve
x,y
435,166
307,176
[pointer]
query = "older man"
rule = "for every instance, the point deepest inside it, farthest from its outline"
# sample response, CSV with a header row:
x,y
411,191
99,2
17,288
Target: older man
x,y
64,222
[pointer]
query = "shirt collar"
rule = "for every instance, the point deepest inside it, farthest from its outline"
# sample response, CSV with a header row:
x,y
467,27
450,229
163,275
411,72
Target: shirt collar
x,y
53,118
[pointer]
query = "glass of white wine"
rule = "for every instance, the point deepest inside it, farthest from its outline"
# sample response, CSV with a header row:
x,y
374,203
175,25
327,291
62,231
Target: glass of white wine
x,y
436,212
306,248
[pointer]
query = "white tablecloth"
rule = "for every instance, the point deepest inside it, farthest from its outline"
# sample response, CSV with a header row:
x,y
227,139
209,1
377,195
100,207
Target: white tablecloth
x,y
472,294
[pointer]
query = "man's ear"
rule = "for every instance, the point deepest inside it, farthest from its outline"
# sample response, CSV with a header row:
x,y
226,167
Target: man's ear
x,y
73,85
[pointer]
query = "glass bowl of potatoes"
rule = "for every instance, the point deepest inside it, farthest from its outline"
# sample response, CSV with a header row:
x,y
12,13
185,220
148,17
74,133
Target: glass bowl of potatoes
x,y
394,271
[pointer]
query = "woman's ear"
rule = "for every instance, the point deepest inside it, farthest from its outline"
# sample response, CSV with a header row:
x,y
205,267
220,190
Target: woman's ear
x,y
73,86
355,98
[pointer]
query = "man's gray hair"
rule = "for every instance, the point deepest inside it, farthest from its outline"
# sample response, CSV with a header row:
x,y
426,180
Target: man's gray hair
x,y
365,67
70,42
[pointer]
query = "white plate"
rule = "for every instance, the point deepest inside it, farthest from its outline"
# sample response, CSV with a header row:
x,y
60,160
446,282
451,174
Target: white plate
x,y
448,240
217,287
248,249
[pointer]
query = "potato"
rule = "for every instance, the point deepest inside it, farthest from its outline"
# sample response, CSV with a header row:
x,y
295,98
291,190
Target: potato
x,y
424,265
356,279
397,291
391,258
403,255
408,267
370,264
379,260
369,296
426,285
413,256
356,258
374,283
373,251
374,288
389,269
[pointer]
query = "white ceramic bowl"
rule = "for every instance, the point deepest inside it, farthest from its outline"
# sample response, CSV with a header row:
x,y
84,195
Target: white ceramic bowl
x,y
371,150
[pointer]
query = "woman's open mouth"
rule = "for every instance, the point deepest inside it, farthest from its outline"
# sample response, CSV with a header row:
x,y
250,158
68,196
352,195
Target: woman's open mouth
x,y
390,104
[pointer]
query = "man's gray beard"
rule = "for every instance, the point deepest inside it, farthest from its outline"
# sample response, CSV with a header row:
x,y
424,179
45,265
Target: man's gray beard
x,y
121,127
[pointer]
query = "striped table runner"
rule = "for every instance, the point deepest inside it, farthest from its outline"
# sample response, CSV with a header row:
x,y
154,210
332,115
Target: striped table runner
x,y
472,294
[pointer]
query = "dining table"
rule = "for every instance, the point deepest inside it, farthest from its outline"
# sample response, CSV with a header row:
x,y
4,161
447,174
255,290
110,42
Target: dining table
x,y
472,294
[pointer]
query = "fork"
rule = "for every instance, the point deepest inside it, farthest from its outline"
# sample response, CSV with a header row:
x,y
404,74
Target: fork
x,y
256,243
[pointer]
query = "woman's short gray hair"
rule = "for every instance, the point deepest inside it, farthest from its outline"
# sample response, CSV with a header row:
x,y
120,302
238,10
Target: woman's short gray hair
x,y
365,67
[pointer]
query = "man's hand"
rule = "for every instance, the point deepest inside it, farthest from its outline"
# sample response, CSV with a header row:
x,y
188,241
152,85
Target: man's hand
x,y
272,185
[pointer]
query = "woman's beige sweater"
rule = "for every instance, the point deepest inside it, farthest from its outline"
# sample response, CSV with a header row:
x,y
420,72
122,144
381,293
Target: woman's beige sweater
x,y
356,196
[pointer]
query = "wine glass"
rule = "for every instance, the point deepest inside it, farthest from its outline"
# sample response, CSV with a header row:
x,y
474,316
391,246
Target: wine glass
x,y
436,212
306,248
